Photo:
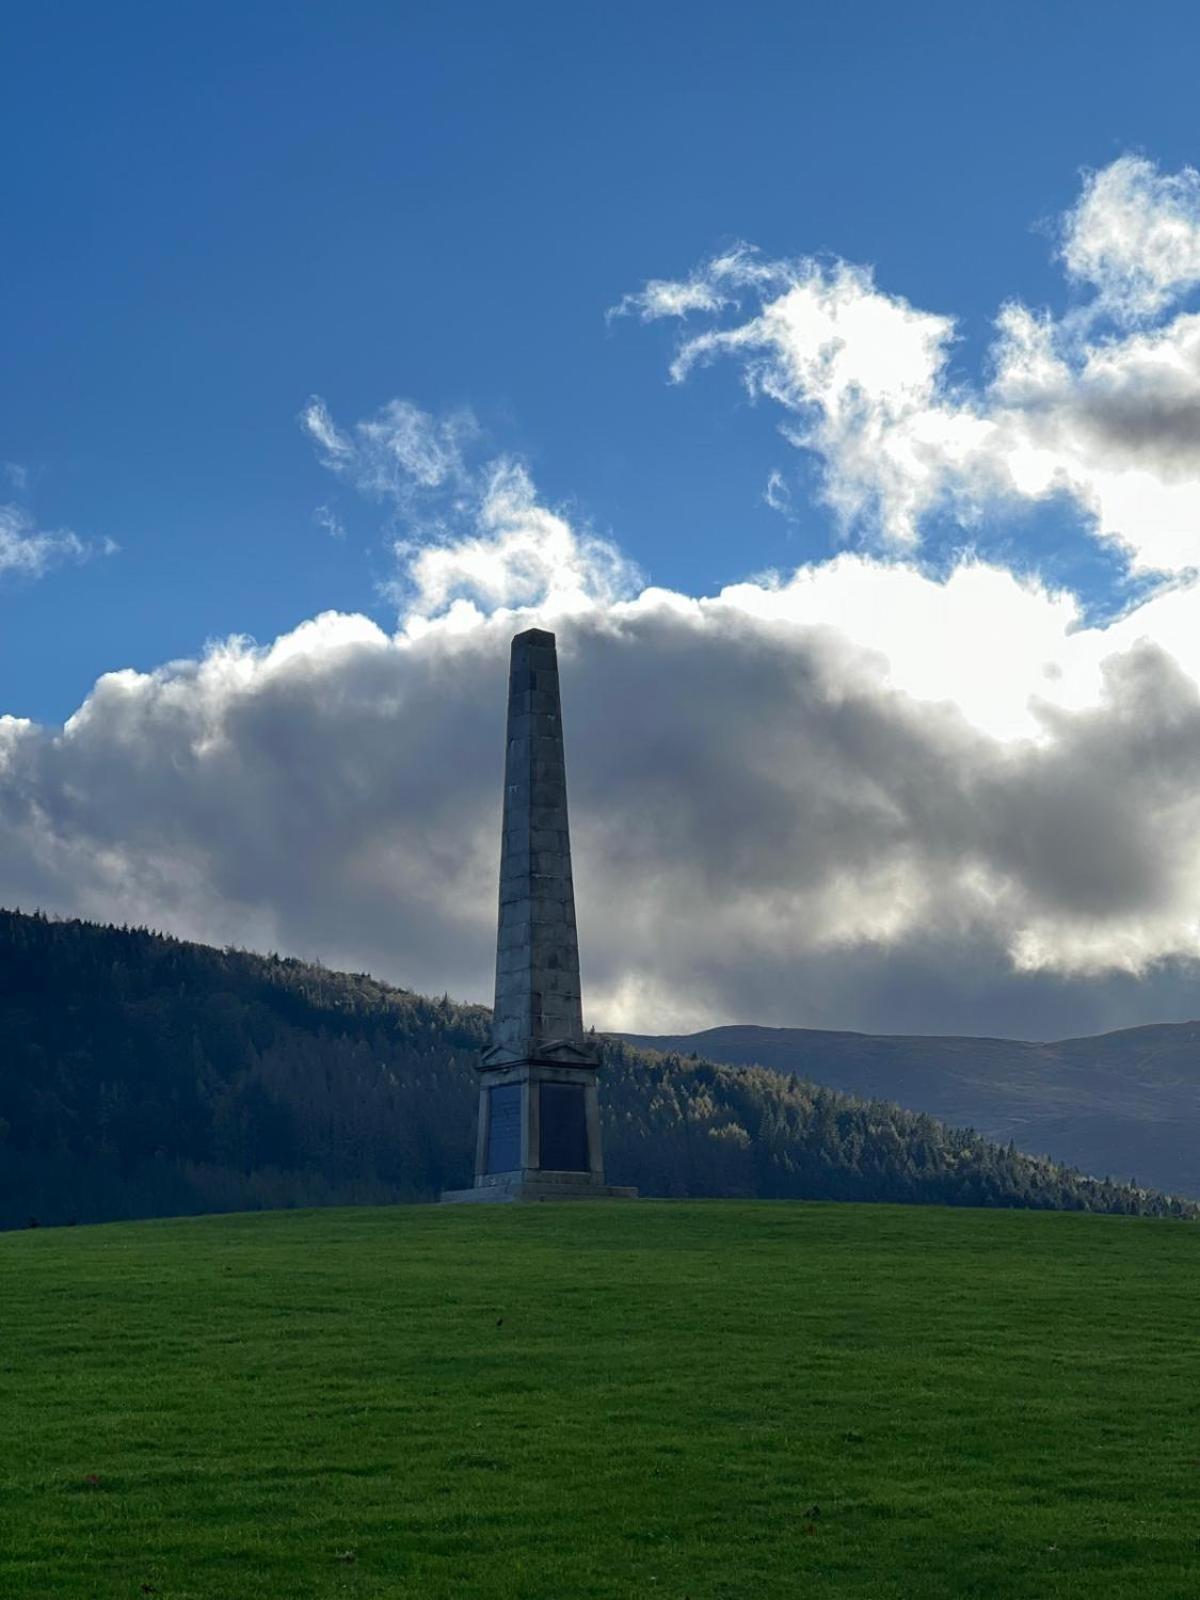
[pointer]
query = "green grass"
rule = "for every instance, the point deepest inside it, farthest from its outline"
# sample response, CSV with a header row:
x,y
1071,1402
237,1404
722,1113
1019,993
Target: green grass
x,y
702,1400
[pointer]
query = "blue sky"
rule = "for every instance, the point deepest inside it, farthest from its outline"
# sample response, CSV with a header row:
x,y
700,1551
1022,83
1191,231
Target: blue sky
x,y
828,379
217,211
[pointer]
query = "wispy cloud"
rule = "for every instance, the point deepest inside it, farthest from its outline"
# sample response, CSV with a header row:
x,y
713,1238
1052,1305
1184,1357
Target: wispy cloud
x,y
714,287
778,496
475,536
29,551
399,449
326,517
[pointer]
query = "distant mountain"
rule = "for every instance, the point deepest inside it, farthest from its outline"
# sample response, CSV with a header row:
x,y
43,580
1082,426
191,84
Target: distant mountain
x,y
1125,1104
142,1076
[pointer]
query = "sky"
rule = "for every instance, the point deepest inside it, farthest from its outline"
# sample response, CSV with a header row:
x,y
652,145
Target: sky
x,y
829,380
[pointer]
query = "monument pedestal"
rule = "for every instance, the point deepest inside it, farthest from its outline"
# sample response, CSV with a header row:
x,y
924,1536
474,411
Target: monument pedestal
x,y
539,1132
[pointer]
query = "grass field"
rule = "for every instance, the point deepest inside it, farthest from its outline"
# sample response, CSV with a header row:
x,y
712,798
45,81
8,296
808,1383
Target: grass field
x,y
696,1400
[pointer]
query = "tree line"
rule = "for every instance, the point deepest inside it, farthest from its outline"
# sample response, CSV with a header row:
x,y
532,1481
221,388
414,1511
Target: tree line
x,y
141,1075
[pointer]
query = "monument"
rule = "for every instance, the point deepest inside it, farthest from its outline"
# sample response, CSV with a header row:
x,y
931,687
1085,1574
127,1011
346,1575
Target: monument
x,y
539,1116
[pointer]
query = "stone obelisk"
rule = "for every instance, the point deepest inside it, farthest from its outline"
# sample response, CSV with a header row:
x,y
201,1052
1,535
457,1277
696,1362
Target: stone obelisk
x,y
539,1116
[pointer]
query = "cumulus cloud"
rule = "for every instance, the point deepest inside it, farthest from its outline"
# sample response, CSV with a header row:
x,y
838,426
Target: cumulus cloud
x,y
1111,420
520,555
858,795
1135,237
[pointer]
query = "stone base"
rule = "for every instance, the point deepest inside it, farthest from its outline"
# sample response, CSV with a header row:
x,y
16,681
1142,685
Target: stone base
x,y
525,1189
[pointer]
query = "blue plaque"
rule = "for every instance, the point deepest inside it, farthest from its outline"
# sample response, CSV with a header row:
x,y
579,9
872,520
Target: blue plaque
x,y
504,1128
563,1119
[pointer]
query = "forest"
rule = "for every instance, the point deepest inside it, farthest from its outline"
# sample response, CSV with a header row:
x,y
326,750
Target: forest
x,y
141,1076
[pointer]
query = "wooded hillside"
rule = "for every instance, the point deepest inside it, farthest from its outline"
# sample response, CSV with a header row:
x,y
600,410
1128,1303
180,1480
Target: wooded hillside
x,y
1125,1103
144,1076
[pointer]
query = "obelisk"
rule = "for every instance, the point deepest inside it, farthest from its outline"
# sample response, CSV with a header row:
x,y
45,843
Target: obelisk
x,y
539,1115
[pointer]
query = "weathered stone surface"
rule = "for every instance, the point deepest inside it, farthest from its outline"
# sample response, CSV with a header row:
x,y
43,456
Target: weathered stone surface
x,y
537,966
539,1114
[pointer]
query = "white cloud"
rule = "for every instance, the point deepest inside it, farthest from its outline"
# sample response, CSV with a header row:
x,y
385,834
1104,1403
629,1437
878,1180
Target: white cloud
x,y
520,555
29,551
399,449
1135,236
863,376
713,287
778,496
475,535
326,517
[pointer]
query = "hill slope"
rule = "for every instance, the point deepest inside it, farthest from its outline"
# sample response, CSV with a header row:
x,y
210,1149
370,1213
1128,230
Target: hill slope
x,y
142,1076
715,1401
1124,1103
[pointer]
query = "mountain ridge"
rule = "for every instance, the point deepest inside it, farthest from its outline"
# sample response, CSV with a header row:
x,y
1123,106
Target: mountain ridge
x,y
1125,1103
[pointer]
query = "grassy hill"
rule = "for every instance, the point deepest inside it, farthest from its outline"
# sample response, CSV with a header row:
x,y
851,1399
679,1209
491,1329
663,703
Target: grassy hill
x,y
144,1076
733,1401
1125,1103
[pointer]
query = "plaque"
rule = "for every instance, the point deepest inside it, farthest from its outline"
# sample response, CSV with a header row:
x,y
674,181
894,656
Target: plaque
x,y
504,1128
563,1120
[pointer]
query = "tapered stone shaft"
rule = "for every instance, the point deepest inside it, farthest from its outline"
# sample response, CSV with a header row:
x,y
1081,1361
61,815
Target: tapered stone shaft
x,y
537,959
539,1134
